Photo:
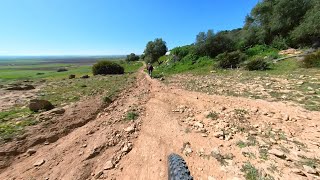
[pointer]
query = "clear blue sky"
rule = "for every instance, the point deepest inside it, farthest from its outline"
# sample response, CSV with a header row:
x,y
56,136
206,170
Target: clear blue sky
x,y
110,27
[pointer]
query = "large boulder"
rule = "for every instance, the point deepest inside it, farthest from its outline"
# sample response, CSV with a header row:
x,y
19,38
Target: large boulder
x,y
36,105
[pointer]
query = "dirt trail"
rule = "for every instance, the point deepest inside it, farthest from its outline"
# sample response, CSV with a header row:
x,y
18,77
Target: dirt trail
x,y
140,151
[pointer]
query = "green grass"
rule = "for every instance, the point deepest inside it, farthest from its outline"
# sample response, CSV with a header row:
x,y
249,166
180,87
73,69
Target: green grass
x,y
23,72
213,115
252,173
60,90
13,121
132,115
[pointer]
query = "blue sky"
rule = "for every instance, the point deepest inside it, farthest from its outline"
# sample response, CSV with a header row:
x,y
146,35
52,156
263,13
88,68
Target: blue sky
x,y
110,27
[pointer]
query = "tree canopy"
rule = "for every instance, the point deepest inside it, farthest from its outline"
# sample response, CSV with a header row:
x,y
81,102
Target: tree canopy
x,y
154,50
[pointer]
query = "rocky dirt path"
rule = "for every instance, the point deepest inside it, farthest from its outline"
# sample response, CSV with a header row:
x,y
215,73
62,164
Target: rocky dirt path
x,y
219,137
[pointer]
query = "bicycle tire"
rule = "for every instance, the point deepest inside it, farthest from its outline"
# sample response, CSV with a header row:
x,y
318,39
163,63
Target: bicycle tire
x,y
177,168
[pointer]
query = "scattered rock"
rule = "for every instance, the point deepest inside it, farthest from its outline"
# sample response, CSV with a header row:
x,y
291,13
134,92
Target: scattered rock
x,y
277,153
108,165
36,105
39,163
31,151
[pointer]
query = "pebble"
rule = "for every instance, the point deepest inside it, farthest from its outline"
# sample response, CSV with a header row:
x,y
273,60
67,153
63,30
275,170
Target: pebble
x,y
129,129
218,134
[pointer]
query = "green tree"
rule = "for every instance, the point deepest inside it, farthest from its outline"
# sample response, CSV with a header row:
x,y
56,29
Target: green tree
x,y
154,50
132,57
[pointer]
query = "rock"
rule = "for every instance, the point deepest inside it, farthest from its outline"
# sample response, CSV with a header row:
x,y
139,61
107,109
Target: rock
x,y
39,163
204,135
161,79
186,149
62,70
223,108
300,83
57,111
109,165
98,175
211,178
20,87
130,129
198,124
253,133
72,76
218,134
286,117
31,151
85,77
309,169
127,147
277,153
206,114
36,105
297,171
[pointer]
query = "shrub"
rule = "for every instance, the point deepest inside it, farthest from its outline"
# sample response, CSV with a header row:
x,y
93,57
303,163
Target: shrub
x,y
262,50
62,70
230,60
190,58
311,60
107,67
280,43
257,64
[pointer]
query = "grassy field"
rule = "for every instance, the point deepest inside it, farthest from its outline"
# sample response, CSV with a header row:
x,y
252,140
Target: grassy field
x,y
286,81
59,90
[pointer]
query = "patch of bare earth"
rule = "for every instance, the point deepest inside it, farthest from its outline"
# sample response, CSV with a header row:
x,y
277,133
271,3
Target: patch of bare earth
x,y
216,135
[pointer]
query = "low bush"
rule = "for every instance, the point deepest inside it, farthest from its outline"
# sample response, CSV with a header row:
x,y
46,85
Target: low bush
x,y
107,67
311,60
230,60
257,64
261,50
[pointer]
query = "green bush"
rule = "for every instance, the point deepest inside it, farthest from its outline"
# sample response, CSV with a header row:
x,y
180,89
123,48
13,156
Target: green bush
x,y
261,50
230,60
311,60
190,58
280,43
107,67
257,64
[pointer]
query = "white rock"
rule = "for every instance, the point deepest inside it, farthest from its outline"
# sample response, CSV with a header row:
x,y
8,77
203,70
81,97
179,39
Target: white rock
x,y
198,124
309,169
218,134
129,129
31,151
39,162
108,165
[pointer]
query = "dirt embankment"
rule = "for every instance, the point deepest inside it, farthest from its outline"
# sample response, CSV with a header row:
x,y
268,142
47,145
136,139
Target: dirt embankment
x,y
220,137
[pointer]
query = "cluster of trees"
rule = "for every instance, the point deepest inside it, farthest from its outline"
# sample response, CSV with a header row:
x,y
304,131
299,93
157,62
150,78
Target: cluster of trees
x,y
275,24
132,57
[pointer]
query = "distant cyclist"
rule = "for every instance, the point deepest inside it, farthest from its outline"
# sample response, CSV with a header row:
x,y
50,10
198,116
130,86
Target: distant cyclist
x,y
150,69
